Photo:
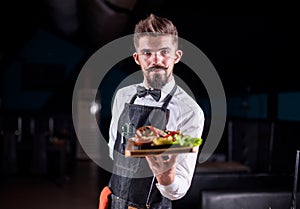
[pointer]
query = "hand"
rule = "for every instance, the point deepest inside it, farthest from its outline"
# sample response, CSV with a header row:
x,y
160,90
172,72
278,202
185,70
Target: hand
x,y
163,167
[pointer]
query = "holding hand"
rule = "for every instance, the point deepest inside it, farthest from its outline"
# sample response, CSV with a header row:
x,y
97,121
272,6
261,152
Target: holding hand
x,y
163,167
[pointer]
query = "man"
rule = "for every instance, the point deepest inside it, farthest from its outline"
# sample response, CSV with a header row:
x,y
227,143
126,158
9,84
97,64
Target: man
x,y
152,182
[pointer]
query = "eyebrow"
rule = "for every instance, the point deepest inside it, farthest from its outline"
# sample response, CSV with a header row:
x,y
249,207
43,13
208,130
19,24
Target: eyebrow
x,y
163,48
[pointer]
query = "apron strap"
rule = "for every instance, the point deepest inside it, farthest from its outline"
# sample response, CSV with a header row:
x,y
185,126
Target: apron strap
x,y
149,193
133,99
168,98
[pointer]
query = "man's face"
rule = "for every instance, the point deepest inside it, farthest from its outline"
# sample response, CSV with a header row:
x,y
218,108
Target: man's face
x,y
157,56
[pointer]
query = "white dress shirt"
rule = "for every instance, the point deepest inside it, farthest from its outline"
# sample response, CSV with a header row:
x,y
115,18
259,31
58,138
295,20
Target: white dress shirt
x,y
185,115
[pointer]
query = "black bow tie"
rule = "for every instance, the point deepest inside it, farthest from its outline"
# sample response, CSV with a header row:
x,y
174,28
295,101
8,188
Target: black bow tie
x,y
142,91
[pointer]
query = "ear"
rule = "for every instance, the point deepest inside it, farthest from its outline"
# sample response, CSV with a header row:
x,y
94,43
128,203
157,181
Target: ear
x,y
178,54
136,58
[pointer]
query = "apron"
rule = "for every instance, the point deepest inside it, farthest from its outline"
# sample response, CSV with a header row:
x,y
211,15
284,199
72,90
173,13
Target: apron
x,y
132,182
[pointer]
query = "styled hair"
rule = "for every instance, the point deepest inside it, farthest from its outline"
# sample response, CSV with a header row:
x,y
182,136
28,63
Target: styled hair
x,y
154,26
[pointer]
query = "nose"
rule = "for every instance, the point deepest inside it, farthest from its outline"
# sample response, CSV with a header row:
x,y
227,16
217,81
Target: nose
x,y
157,58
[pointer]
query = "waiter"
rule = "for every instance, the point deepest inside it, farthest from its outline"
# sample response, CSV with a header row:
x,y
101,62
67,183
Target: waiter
x,y
152,182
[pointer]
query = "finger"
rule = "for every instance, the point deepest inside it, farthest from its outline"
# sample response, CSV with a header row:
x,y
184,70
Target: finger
x,y
173,159
160,159
153,165
151,160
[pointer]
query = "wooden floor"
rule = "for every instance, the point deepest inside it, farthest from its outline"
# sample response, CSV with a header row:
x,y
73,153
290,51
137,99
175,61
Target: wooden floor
x,y
78,191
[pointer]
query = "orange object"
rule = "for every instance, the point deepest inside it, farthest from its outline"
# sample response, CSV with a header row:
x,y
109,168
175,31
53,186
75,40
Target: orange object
x,y
104,198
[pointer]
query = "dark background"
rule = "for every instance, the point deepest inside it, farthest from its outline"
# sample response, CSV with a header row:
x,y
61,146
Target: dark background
x,y
44,45
251,53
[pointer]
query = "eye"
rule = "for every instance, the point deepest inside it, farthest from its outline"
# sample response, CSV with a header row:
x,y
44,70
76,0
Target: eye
x,y
164,52
146,53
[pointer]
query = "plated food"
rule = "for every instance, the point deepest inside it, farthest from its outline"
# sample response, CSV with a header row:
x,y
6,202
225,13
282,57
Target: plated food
x,y
149,140
150,135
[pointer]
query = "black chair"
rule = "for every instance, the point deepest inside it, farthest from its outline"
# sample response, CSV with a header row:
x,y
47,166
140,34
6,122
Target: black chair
x,y
247,199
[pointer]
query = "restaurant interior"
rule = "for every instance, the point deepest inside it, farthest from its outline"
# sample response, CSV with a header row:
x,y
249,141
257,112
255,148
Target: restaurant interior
x,y
43,50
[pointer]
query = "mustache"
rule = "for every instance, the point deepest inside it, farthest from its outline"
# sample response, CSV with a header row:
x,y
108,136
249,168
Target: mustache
x,y
156,67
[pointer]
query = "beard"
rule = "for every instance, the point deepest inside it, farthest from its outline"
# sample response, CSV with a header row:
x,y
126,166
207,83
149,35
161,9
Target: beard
x,y
157,80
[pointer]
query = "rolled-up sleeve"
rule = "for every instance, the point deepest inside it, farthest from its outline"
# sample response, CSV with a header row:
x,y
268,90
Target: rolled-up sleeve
x,y
192,124
184,174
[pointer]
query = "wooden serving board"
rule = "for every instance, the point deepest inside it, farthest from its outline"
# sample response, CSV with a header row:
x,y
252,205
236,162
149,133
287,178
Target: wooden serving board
x,y
136,151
